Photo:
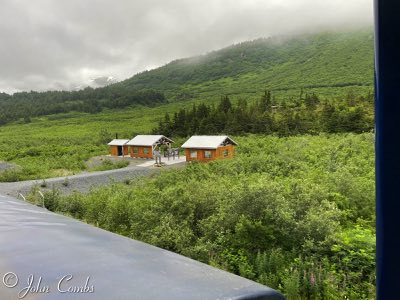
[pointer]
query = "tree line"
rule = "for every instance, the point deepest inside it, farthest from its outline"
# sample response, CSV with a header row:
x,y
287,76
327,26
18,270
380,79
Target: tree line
x,y
307,114
25,105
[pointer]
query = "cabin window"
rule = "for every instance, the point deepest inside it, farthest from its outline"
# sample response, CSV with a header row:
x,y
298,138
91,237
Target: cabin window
x,y
193,154
135,150
207,154
146,150
226,153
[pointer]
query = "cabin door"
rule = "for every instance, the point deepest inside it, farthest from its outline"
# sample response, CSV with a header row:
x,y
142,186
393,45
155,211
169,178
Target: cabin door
x,y
119,150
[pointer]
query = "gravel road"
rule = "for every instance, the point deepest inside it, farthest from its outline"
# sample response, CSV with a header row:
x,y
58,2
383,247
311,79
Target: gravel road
x,y
6,166
82,182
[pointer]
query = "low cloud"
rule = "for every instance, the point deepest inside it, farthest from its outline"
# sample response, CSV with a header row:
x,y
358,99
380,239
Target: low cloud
x,y
47,44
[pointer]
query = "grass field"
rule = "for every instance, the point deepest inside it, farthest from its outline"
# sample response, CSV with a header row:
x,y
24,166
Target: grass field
x,y
59,145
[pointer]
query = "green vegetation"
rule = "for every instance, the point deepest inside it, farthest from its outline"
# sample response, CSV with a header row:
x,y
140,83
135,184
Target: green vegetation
x,y
56,132
108,164
294,213
27,105
305,115
328,64
293,210
59,145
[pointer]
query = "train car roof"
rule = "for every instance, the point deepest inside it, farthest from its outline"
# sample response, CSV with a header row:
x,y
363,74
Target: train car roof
x,y
37,242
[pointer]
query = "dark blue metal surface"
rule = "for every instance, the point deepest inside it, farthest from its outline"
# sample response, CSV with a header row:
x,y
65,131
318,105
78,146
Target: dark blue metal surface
x,y
103,265
387,84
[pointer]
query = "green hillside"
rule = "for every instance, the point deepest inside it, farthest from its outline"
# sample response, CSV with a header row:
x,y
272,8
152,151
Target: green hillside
x,y
325,63
329,64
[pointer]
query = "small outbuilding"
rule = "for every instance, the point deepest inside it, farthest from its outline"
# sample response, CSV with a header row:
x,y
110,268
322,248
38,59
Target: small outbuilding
x,y
209,147
118,147
142,146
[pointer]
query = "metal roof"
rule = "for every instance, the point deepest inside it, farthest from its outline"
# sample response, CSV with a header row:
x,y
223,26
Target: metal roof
x,y
117,142
147,140
208,141
44,244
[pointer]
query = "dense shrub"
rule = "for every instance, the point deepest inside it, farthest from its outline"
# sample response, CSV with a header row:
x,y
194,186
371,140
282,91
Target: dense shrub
x,y
293,213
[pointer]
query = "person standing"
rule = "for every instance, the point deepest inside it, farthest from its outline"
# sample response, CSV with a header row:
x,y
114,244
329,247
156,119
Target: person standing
x,y
157,155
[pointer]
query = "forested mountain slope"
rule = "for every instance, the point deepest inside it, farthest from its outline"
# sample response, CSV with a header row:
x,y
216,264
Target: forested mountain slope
x,y
325,60
329,64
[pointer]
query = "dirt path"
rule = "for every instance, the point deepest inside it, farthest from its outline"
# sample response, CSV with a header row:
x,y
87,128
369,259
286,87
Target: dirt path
x,y
82,182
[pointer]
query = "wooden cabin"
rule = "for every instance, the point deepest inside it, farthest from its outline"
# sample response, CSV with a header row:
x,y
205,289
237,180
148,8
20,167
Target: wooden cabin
x,y
118,147
209,147
142,146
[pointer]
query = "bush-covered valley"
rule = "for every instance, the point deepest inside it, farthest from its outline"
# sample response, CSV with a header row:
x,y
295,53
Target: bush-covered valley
x,y
294,213
59,145
295,208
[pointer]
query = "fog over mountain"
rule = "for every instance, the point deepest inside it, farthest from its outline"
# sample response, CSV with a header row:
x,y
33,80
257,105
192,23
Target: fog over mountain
x,y
57,45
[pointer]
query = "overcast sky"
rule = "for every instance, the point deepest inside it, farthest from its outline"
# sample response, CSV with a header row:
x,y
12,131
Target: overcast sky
x,y
49,44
